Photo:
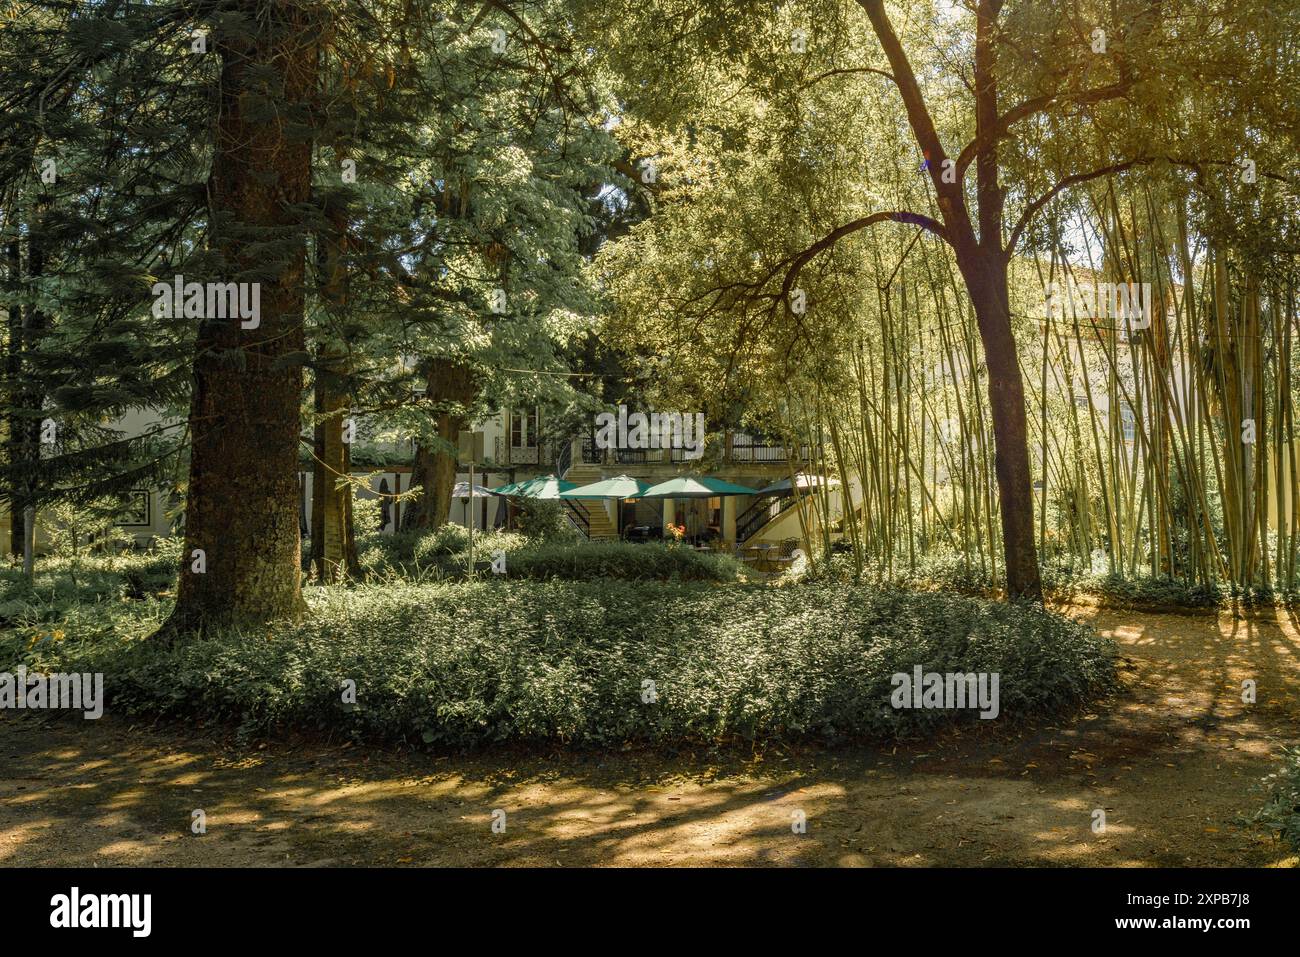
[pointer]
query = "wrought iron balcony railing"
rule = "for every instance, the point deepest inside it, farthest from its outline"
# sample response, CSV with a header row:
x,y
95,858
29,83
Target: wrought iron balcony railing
x,y
742,449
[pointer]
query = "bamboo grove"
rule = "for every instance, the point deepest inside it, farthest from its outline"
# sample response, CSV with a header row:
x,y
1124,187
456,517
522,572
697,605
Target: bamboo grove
x,y
1160,451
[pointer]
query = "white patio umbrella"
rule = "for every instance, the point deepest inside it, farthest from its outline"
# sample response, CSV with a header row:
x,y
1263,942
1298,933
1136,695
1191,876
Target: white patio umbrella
x,y
804,480
461,490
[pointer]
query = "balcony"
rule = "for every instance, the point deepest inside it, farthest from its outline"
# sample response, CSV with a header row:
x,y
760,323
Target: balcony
x,y
743,449
507,454
746,449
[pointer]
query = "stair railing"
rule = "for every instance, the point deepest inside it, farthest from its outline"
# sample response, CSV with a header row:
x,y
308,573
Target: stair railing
x,y
578,516
760,512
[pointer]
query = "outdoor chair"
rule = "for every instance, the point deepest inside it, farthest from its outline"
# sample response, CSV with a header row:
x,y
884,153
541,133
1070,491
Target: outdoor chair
x,y
785,555
759,554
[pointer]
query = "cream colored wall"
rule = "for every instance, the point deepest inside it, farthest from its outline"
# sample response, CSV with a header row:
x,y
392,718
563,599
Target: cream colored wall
x,y
787,524
399,481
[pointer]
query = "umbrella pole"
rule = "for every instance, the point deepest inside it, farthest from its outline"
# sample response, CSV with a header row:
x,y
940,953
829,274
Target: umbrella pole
x,y
469,520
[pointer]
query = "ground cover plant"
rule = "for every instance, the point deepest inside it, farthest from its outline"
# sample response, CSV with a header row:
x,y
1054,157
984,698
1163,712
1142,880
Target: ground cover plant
x,y
584,663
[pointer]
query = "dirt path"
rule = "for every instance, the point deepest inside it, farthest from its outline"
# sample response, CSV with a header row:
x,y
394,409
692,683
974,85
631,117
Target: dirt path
x,y
1173,762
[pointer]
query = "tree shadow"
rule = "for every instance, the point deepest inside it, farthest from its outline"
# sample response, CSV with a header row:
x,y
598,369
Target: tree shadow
x,y
1171,762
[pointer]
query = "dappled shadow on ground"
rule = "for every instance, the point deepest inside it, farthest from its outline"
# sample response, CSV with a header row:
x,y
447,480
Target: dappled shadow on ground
x,y
1172,762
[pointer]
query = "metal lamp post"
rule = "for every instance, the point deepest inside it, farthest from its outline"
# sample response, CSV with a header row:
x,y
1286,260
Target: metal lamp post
x,y
471,450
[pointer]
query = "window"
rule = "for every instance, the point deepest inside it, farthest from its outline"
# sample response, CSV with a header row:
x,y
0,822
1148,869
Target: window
x,y
523,429
1128,422
135,510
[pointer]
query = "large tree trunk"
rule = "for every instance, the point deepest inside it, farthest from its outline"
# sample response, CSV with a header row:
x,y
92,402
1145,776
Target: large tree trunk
x,y
986,282
327,468
983,265
26,326
17,424
333,544
449,387
350,559
242,507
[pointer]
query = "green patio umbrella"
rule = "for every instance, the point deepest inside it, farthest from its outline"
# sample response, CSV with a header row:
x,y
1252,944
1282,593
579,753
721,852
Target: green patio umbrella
x,y
696,486
546,487
505,489
620,486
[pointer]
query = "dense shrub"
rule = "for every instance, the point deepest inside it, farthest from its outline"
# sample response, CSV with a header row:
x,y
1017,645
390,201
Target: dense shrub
x,y
448,540
444,554
1281,813
545,521
98,598
938,570
412,552
61,584
636,562
948,571
548,662
1148,591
